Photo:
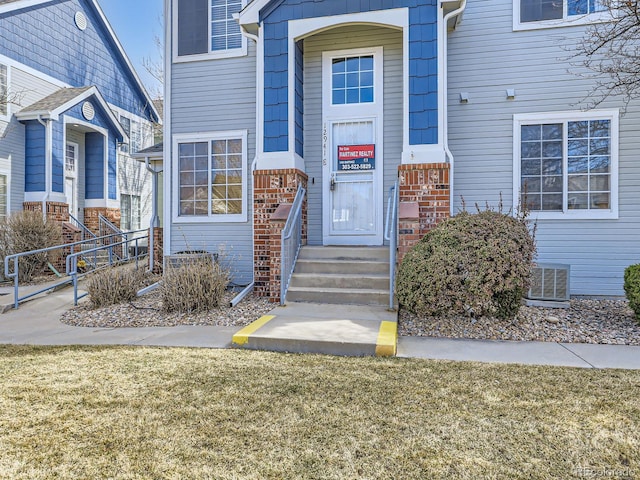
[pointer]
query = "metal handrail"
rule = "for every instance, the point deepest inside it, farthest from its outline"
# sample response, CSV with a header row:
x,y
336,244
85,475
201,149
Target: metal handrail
x,y
105,225
14,259
72,260
86,233
291,241
391,234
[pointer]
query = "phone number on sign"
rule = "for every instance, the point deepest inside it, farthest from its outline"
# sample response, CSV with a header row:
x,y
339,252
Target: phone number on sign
x,y
357,166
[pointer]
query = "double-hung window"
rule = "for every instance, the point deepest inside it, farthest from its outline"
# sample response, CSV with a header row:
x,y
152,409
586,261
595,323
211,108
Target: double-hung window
x,y
545,13
4,91
210,173
566,164
206,28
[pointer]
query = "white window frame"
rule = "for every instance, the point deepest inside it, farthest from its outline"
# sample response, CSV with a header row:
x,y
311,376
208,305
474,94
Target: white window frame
x,y
208,137
566,20
212,54
613,116
6,173
6,117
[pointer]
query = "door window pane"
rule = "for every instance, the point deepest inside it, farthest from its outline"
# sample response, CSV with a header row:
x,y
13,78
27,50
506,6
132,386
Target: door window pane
x,y
352,80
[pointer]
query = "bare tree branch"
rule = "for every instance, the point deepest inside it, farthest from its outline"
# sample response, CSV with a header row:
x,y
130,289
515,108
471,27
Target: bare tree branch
x,y
611,51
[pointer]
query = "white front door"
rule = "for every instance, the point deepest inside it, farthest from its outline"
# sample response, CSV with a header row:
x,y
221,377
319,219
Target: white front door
x,y
70,186
352,147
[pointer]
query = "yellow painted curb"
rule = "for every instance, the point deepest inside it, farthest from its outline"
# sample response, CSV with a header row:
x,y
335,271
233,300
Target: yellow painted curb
x,y
387,339
242,337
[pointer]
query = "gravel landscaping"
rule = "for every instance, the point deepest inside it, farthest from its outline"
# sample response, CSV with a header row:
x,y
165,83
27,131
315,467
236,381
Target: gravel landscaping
x,y
586,321
146,312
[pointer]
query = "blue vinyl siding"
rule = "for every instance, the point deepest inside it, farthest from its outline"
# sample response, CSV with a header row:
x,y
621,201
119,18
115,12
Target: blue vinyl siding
x,y
299,98
35,171
57,158
112,169
46,38
94,165
100,120
423,63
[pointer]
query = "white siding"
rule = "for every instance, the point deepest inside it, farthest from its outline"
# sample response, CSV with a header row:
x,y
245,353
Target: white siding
x,y
485,58
339,39
217,95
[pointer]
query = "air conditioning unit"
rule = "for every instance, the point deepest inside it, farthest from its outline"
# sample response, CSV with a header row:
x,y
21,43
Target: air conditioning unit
x,y
550,282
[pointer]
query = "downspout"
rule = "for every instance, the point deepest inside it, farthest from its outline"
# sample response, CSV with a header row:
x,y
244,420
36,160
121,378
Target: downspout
x,y
47,165
254,163
445,92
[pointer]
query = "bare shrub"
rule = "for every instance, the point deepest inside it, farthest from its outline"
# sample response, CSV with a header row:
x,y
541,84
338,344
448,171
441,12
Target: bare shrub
x,y
25,231
197,285
114,285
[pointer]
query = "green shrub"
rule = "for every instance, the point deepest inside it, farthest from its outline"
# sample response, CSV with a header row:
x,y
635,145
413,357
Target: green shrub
x,y
471,265
114,285
198,285
632,288
25,231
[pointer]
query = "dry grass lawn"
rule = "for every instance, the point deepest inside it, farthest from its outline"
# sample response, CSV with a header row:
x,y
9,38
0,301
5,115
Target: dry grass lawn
x,y
134,413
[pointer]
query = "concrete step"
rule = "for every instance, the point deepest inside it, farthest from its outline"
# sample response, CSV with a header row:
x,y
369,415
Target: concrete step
x,y
345,253
319,328
341,296
304,265
358,281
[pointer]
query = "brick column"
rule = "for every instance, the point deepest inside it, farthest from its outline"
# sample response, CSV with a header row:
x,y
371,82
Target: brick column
x,y
158,251
278,221
271,189
424,186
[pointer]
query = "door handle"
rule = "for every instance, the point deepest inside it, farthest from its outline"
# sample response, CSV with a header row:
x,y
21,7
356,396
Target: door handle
x,y
332,184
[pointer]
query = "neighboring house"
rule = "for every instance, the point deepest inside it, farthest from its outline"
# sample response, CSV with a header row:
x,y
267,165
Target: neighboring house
x,y
73,113
458,100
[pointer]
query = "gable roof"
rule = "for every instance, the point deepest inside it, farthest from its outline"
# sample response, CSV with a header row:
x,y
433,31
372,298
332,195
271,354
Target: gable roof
x,y
11,5
60,101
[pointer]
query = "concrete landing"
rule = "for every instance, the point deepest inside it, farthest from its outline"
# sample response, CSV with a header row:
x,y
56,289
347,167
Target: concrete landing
x,y
350,330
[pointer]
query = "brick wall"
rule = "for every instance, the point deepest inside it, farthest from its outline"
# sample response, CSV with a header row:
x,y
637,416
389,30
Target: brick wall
x,y
425,189
56,211
271,189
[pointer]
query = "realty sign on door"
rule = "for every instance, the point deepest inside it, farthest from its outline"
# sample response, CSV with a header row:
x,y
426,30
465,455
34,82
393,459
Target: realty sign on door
x,y
356,157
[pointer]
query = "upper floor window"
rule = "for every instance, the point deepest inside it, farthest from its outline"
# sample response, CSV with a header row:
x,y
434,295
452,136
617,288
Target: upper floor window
x,y
4,91
207,27
125,123
545,13
567,164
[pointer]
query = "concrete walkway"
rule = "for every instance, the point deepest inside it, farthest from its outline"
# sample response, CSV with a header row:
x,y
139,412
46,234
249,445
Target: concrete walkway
x,y
36,323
